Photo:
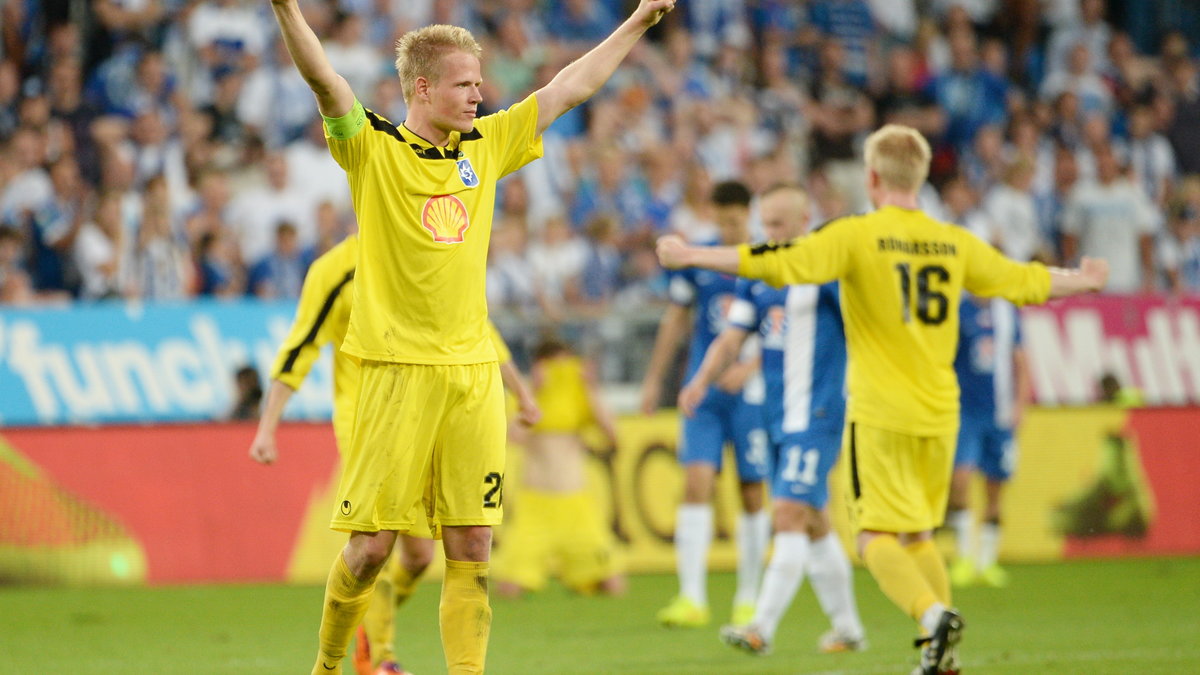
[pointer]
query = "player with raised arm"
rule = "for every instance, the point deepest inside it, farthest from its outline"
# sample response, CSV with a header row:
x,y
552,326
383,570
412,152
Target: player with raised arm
x,y
430,413
804,365
901,275
322,317
993,377
731,412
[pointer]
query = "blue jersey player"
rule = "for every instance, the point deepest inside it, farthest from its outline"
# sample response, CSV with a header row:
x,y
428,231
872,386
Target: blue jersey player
x,y
804,364
994,383
728,413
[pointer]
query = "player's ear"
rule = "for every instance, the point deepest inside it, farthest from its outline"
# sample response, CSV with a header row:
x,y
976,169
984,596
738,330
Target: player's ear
x,y
421,88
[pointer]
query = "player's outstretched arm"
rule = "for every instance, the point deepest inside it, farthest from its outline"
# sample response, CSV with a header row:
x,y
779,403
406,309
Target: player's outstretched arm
x,y
671,328
263,449
527,408
577,82
1089,277
720,354
674,253
334,97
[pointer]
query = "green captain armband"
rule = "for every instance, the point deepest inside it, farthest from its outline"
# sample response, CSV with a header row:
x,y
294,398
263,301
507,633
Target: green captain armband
x,y
347,125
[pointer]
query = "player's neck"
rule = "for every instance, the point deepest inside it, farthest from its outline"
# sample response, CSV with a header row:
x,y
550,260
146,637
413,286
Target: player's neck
x,y
423,126
903,200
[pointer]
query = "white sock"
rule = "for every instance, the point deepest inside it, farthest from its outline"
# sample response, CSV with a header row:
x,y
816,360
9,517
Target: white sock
x,y
989,544
832,581
963,522
753,532
929,620
784,575
693,537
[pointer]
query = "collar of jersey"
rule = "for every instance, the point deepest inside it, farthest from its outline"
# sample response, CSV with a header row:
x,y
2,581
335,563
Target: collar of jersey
x,y
427,150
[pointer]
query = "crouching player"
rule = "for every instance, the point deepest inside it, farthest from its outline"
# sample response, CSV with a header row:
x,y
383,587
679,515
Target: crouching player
x,y
557,524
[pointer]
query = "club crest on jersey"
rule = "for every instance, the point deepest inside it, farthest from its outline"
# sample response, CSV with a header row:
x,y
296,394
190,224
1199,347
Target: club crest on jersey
x,y
467,173
445,216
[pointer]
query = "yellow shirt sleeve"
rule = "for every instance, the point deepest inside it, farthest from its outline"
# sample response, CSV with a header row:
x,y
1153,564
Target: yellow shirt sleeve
x,y
315,324
512,134
817,258
348,143
989,273
503,355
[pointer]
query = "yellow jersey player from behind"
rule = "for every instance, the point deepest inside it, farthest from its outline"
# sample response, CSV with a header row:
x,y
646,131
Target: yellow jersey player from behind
x,y
429,429
558,522
901,275
322,317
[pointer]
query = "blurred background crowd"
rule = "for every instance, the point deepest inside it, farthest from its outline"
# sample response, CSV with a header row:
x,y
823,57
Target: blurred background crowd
x,y
168,149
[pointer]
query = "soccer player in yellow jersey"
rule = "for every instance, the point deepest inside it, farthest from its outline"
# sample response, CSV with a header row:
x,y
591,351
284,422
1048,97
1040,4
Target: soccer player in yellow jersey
x,y
429,431
558,520
901,275
322,317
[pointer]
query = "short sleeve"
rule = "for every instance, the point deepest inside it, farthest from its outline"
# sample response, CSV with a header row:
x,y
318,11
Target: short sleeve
x,y
681,290
743,312
346,137
512,134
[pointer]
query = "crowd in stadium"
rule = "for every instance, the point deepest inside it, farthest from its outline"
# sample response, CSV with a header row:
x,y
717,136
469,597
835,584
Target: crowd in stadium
x,y
168,149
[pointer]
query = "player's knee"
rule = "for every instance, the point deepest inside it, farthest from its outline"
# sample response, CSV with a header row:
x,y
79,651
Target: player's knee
x,y
752,497
472,543
416,554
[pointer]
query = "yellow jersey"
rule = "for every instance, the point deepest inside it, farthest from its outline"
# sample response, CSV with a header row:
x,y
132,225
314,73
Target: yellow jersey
x,y
425,219
902,274
562,395
323,317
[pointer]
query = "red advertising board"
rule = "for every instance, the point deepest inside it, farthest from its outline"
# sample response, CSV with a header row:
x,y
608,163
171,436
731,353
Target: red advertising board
x,y
1149,342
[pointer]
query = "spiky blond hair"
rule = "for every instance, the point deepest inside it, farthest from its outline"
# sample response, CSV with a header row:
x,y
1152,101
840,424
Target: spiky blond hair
x,y
900,156
419,53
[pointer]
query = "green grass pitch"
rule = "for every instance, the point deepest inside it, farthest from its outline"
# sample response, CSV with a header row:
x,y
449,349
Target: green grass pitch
x,y
1093,618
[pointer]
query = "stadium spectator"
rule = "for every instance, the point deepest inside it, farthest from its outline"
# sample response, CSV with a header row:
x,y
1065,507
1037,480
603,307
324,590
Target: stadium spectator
x,y
159,268
1110,217
279,274
1089,29
1151,158
1082,80
257,213
1012,213
970,96
101,250
15,287
1184,128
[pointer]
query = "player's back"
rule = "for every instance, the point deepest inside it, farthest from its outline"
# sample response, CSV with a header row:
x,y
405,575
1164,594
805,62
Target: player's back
x,y
902,274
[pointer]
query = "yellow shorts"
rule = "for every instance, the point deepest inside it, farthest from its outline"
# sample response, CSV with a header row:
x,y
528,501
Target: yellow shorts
x,y
427,447
555,531
898,482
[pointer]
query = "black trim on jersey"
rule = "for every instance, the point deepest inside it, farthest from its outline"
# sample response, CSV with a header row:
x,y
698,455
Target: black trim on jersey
x,y
321,316
854,463
430,151
759,249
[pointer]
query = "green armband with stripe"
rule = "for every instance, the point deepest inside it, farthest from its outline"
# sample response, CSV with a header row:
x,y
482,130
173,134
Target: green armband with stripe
x,y
347,125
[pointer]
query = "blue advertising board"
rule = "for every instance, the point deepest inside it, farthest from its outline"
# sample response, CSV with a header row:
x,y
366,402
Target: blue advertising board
x,y
128,362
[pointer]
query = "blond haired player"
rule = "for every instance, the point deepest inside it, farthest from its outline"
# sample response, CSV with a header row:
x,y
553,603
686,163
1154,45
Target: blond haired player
x,y
901,275
322,316
558,521
429,429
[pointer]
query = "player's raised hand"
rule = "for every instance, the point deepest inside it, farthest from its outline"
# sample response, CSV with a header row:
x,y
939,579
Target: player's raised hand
x,y
691,396
650,12
671,250
1095,271
263,449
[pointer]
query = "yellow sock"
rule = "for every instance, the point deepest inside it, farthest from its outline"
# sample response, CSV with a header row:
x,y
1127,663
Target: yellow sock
x,y
898,575
933,568
403,583
380,620
346,600
466,616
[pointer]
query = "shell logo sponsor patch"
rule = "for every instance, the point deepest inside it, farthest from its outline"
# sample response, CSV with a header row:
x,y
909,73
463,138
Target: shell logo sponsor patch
x,y
445,216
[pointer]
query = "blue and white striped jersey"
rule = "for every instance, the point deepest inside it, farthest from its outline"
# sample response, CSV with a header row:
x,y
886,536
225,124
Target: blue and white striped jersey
x,y
803,353
989,332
